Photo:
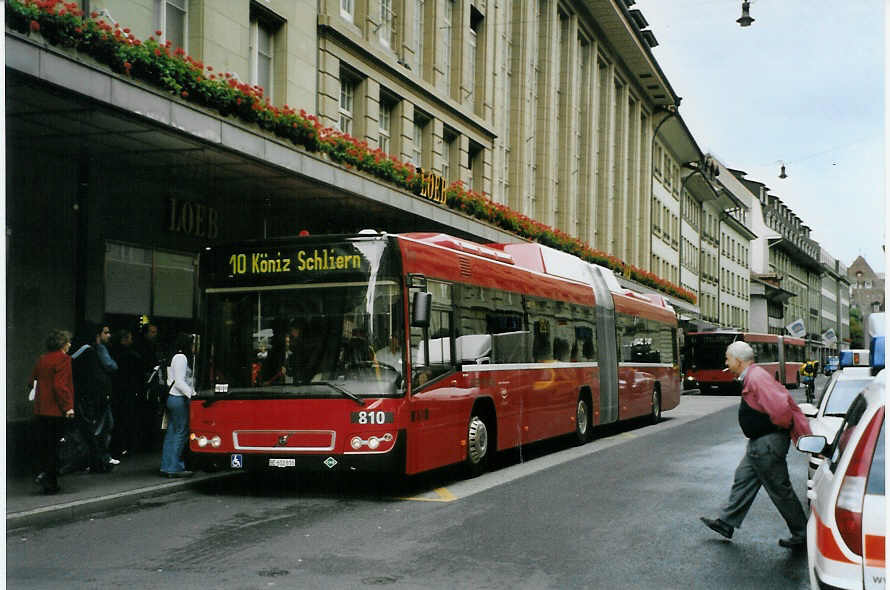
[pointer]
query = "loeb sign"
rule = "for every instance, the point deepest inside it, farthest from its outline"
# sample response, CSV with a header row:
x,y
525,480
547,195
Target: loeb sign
x,y
433,187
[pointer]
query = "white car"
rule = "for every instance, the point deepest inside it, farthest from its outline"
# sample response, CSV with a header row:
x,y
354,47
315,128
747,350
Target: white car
x,y
847,525
827,415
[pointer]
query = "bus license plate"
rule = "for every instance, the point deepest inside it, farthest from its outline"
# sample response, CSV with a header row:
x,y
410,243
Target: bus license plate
x,y
282,462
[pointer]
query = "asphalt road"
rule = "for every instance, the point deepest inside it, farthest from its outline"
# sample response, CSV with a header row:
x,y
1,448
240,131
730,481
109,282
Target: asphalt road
x,y
619,512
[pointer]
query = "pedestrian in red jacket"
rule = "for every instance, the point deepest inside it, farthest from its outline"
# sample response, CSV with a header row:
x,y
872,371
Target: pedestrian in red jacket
x,y
769,418
53,401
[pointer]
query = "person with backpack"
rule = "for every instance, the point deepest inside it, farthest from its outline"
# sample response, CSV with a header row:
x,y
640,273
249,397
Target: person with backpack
x,y
92,401
181,383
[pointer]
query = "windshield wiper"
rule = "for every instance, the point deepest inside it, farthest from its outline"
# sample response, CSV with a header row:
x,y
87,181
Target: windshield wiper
x,y
342,390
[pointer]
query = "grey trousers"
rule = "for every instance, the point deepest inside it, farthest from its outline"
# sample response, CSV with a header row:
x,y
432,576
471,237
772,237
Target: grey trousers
x,y
764,465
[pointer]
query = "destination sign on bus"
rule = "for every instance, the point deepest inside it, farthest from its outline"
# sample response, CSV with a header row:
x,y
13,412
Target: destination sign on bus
x,y
304,261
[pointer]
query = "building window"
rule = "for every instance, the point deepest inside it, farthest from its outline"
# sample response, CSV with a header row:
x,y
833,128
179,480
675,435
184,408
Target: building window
x,y
447,35
475,163
476,64
261,51
347,9
417,148
418,36
448,142
171,19
384,141
386,20
347,100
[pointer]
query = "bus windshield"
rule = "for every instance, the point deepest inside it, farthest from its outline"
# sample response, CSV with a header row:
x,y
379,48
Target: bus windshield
x,y
315,340
707,351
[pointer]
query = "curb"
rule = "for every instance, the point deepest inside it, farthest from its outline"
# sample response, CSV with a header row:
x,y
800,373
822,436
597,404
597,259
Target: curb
x,y
68,511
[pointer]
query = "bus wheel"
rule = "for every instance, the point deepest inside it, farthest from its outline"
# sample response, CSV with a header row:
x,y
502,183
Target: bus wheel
x,y
582,421
655,416
477,446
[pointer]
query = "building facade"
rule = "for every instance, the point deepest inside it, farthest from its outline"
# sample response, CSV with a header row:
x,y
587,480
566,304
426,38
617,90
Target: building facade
x,y
866,289
554,109
835,309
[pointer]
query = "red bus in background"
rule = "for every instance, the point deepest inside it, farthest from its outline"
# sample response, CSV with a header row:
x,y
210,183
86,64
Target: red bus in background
x,y
410,352
705,358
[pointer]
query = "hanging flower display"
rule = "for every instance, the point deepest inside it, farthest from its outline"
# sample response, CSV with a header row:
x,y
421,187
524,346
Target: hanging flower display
x,y
173,70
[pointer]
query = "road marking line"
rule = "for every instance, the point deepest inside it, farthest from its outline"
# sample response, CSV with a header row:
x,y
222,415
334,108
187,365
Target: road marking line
x,y
443,495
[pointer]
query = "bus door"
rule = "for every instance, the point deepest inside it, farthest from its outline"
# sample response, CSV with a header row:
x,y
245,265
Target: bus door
x,y
431,419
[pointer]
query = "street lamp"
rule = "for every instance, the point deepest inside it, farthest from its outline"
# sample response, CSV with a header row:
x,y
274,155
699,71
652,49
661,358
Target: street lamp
x,y
745,20
782,171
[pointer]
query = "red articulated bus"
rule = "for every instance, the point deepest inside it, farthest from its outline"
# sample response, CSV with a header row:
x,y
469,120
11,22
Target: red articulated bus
x,y
410,352
705,358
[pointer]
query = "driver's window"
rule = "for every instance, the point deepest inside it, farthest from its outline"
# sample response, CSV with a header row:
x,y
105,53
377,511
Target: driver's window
x,y
438,361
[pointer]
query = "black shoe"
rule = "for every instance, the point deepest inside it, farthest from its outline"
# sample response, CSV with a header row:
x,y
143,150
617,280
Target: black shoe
x,y
793,542
40,479
718,526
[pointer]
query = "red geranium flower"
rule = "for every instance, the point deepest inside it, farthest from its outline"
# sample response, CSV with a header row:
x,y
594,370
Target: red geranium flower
x,y
35,26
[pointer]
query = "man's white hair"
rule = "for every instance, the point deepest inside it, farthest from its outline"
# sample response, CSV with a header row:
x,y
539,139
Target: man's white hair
x,y
741,351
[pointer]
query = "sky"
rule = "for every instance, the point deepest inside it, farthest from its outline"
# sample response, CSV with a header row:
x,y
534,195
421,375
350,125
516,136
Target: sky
x,y
803,86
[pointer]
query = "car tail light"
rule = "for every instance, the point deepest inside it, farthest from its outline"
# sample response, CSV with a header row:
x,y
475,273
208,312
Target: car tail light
x,y
848,510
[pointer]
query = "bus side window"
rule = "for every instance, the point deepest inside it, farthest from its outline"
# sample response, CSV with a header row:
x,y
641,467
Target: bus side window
x,y
626,332
584,346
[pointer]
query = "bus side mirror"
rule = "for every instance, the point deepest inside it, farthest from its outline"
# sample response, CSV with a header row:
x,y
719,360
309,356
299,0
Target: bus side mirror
x,y
420,312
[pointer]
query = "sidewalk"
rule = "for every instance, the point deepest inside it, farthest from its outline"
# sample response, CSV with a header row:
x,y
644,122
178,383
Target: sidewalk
x,y
137,477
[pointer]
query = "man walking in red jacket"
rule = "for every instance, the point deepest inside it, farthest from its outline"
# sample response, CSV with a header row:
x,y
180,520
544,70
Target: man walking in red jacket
x,y
770,419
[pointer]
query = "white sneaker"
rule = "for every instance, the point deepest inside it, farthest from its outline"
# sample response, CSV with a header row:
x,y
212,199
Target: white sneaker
x,y
113,461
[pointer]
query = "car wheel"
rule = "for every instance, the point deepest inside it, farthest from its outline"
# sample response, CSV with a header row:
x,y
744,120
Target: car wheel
x,y
477,446
582,421
655,416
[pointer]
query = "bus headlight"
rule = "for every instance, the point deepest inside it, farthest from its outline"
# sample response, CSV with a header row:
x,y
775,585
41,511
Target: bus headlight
x,y
216,442
202,441
372,443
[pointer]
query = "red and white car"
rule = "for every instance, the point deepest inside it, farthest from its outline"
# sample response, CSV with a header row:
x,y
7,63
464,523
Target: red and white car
x,y
847,525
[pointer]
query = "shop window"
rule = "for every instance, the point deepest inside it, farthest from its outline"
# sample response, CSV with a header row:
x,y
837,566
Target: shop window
x,y
140,281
